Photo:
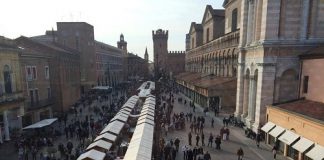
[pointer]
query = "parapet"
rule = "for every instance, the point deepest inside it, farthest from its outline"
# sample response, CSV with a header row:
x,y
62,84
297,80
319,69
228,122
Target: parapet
x,y
6,42
177,52
160,33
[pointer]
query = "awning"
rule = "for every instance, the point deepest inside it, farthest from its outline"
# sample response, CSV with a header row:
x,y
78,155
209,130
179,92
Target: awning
x,y
92,154
316,153
120,118
107,136
42,123
113,127
100,143
276,131
148,121
302,145
288,137
268,126
126,109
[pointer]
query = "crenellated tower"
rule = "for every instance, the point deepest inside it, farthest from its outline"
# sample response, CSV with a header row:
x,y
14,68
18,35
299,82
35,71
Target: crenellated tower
x,y
160,49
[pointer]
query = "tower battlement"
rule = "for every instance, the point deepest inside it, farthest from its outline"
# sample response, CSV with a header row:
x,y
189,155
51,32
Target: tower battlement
x,y
160,33
177,52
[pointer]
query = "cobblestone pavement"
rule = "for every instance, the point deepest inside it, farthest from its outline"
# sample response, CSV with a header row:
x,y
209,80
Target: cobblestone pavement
x,y
228,148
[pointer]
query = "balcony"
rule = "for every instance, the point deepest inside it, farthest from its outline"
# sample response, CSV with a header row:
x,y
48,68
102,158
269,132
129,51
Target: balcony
x,y
227,41
9,98
29,106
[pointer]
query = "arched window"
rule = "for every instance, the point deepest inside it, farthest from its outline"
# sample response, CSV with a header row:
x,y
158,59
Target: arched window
x,y
7,79
234,20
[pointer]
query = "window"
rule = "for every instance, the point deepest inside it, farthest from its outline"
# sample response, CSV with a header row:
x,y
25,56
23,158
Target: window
x,y
49,94
7,79
77,41
46,72
305,84
36,96
207,35
31,95
234,20
192,42
34,71
29,75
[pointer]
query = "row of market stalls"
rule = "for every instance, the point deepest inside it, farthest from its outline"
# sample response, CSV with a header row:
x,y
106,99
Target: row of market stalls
x,y
295,134
141,144
146,89
111,136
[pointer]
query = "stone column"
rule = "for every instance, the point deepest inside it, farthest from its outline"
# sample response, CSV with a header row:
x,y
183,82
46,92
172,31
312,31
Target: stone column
x,y
6,125
246,96
239,91
304,20
253,94
250,21
250,99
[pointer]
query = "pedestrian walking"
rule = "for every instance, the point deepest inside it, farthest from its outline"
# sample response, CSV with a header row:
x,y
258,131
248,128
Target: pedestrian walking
x,y
197,140
212,123
210,140
218,142
258,139
207,156
240,154
202,139
184,150
189,138
177,143
274,152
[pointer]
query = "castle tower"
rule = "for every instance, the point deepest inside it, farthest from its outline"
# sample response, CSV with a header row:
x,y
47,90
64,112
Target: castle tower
x,y
146,55
121,44
160,50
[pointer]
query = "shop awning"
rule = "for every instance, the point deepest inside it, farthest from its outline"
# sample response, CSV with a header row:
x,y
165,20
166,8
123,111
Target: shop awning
x,y
288,137
268,126
113,127
316,153
41,124
107,136
120,118
92,154
302,145
100,143
276,131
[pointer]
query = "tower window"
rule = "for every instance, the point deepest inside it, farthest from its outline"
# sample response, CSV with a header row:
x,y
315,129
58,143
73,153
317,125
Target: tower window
x,y
234,20
207,35
305,84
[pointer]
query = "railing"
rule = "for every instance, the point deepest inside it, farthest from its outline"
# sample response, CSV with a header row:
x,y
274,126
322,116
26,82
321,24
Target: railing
x,y
228,40
11,97
37,105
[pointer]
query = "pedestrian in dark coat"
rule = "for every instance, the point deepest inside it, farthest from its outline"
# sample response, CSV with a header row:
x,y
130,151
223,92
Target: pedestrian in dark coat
x,y
202,139
197,140
189,138
218,142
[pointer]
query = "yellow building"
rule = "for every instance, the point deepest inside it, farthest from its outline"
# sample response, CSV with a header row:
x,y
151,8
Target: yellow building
x,y
297,127
11,96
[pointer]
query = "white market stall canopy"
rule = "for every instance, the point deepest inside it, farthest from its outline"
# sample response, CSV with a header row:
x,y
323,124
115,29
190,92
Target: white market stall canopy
x,y
119,117
316,153
42,123
113,127
276,131
302,145
100,143
92,154
288,137
268,126
108,136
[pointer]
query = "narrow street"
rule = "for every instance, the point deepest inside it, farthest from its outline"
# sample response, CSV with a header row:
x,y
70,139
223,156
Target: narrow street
x,y
229,148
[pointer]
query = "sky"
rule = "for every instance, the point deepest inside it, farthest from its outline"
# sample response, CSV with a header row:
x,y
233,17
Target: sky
x,y
134,18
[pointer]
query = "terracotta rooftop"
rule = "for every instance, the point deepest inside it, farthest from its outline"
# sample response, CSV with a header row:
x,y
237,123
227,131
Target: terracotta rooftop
x,y
307,108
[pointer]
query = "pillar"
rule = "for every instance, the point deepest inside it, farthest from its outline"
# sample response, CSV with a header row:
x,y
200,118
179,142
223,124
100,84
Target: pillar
x,y
300,156
304,19
6,125
250,99
285,150
250,21
246,96
253,98
239,92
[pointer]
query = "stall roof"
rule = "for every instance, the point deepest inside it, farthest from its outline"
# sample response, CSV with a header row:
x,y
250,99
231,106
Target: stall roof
x,y
126,109
102,87
92,154
147,113
288,137
276,131
146,120
119,117
100,143
302,145
108,136
316,153
114,127
146,117
268,126
42,123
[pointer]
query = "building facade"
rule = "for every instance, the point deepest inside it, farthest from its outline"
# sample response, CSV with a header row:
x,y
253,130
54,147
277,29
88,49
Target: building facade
x,y
35,72
109,64
64,70
211,58
273,34
137,67
296,126
80,36
11,94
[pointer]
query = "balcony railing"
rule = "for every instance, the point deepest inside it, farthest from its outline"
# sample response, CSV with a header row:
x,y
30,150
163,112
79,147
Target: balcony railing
x,y
228,40
11,97
40,104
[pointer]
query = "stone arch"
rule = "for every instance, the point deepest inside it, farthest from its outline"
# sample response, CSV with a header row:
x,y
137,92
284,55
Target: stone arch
x,y
288,85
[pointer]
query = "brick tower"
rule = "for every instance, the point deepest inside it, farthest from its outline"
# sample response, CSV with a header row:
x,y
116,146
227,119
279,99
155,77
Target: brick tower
x,y
160,50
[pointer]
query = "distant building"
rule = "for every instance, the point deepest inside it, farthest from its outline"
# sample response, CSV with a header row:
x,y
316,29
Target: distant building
x,y
109,64
11,92
168,63
64,73
137,67
297,126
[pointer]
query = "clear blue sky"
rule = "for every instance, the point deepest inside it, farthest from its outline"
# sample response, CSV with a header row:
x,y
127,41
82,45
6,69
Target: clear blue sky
x,y
134,18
